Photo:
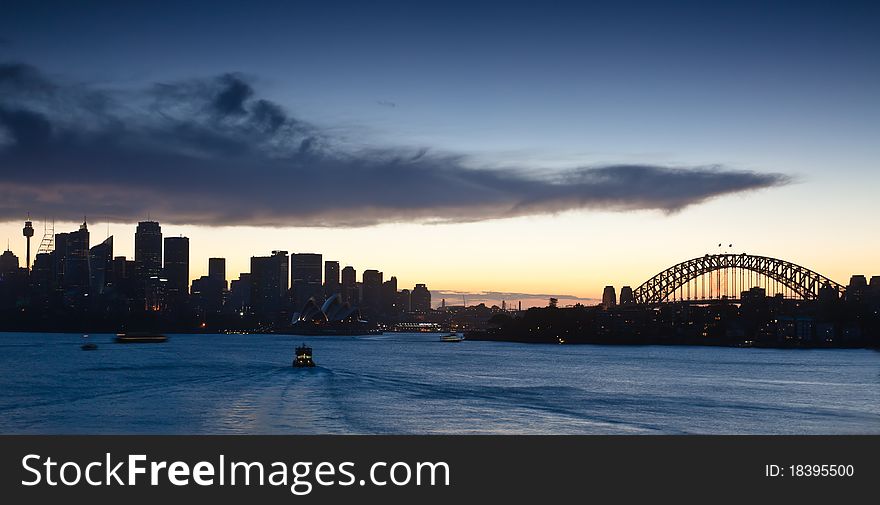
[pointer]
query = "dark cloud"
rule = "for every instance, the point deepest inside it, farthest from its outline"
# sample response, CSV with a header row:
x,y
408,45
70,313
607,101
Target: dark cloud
x,y
386,103
210,151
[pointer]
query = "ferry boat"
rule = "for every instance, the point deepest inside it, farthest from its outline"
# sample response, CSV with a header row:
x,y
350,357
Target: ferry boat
x,y
452,337
140,338
303,357
88,346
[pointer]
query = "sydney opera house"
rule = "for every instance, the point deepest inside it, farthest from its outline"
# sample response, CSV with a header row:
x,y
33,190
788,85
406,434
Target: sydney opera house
x,y
332,318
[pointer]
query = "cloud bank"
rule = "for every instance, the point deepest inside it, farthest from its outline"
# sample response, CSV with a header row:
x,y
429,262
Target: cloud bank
x,y
213,152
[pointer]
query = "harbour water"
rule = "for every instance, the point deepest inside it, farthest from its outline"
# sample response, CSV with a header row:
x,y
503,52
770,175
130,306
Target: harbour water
x,y
415,384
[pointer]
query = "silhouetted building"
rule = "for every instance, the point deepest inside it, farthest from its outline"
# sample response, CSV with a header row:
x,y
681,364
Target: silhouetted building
x,y
8,262
609,297
101,266
828,294
72,261
42,280
176,270
305,277
331,278
372,293
268,285
420,299
403,301
121,279
13,281
147,249
240,295
626,296
217,270
156,289
349,286
207,295
123,270
147,258
857,288
388,297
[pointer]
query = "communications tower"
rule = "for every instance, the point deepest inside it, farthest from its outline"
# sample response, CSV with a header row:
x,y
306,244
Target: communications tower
x,y
28,232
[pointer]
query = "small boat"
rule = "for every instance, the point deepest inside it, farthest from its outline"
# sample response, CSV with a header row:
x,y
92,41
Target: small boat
x,y
303,357
452,337
140,338
88,346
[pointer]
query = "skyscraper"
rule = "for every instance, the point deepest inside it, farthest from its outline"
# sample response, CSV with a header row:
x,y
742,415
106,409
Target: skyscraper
x,y
388,297
305,277
240,291
404,303
268,281
147,256
147,249
72,260
331,278
176,270
420,298
8,262
349,286
209,291
371,304
101,266
217,270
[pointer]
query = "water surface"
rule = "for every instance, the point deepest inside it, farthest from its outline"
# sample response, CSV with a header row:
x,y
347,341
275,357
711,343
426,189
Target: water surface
x,y
412,383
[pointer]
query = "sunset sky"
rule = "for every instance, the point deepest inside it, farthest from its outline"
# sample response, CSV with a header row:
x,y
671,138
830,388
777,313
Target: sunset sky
x,y
526,148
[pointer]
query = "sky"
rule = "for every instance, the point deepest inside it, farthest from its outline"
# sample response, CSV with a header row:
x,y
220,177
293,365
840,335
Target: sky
x,y
513,149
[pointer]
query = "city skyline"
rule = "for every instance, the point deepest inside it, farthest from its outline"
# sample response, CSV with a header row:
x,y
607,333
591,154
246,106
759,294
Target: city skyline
x,y
195,272
472,149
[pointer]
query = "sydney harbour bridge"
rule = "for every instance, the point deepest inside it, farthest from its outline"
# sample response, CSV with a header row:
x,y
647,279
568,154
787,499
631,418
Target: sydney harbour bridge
x,y
716,277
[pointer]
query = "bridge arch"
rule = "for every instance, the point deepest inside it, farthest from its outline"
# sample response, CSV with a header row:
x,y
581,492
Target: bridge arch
x,y
797,280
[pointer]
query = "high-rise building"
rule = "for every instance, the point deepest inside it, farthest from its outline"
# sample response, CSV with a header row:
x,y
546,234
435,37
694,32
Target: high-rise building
x,y
42,278
240,291
626,296
13,281
176,270
209,292
388,297
349,286
371,302
331,278
71,257
147,259
156,289
147,249
305,277
123,269
8,262
404,303
268,285
609,297
420,298
101,266
122,277
217,270
282,263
